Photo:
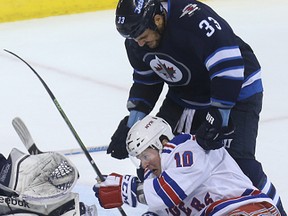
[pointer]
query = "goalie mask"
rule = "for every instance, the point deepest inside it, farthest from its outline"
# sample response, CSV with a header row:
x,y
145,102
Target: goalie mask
x,y
42,177
146,133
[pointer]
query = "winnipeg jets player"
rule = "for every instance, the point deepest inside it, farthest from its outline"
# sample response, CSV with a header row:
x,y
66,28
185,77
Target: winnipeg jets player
x,y
40,185
182,178
213,77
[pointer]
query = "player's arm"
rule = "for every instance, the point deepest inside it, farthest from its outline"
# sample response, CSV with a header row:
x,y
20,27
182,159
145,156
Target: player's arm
x,y
143,95
147,85
220,52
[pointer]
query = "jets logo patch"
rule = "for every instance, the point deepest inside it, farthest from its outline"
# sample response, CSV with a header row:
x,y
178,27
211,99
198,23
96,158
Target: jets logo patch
x,y
166,70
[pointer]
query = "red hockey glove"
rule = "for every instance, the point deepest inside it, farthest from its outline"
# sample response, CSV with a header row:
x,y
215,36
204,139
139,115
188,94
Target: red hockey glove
x,y
116,190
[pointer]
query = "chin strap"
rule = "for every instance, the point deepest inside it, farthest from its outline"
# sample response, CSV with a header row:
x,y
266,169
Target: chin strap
x,y
140,194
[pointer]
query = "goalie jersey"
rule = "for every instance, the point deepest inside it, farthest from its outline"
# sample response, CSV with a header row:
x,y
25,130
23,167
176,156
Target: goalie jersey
x,y
193,179
199,57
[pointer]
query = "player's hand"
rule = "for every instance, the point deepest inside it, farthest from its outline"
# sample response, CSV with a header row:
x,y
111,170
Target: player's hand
x,y
149,213
117,146
211,134
116,190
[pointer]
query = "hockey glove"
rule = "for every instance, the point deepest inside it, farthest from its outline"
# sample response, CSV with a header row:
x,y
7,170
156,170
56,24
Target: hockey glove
x,y
212,134
149,213
42,177
117,146
116,190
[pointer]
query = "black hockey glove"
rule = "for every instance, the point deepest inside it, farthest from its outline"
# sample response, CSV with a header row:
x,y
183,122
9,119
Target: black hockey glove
x,y
211,134
149,214
117,146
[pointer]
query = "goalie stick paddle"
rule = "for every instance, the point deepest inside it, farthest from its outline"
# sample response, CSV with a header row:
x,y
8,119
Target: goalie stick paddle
x,y
25,136
32,148
59,108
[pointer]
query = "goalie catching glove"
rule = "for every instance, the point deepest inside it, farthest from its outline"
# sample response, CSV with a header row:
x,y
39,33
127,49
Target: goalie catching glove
x,y
40,185
40,178
116,190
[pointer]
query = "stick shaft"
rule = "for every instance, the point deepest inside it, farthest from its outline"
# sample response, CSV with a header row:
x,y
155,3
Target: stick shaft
x,y
59,108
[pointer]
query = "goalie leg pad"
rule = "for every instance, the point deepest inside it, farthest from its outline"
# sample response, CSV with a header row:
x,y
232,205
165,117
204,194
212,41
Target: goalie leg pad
x,y
67,206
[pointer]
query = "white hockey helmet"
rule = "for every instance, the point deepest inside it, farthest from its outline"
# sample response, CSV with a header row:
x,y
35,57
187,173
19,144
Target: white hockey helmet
x,y
145,133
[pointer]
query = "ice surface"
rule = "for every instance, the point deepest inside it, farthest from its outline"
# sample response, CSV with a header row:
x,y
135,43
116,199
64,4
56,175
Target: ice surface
x,y
82,59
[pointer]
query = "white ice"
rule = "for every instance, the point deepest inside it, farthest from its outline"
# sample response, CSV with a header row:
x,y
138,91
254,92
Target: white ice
x,y
82,59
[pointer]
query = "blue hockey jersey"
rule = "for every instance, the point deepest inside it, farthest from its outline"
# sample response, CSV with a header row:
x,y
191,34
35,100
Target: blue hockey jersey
x,y
200,58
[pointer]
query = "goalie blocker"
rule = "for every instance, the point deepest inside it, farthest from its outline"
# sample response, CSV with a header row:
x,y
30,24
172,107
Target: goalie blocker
x,y
40,185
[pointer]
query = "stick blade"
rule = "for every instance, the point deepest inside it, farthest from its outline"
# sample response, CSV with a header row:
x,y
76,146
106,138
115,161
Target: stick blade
x,y
25,135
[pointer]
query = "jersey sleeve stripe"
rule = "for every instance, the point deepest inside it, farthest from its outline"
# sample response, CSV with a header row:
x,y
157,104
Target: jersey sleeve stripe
x,y
221,205
252,78
223,54
139,99
147,82
144,73
234,73
168,190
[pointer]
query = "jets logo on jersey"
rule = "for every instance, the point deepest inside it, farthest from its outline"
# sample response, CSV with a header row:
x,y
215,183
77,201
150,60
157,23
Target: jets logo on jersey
x,y
170,70
166,70
189,10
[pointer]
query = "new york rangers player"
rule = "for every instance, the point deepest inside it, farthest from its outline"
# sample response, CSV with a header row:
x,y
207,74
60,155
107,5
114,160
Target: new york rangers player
x,y
213,77
181,178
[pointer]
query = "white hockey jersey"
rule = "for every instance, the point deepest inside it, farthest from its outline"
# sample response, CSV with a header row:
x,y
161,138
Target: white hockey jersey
x,y
192,179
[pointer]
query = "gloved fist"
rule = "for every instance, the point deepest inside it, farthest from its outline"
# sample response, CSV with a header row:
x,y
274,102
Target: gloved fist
x,y
116,190
117,146
149,213
211,134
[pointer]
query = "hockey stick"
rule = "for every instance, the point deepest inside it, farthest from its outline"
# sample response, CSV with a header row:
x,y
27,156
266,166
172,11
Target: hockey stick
x,y
25,136
59,108
32,148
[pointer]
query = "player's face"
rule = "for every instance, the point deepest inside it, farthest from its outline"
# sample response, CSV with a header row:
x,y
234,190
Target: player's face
x,y
150,38
150,159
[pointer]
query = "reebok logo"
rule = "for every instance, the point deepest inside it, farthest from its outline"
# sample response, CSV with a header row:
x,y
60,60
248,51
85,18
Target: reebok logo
x,y
209,118
14,202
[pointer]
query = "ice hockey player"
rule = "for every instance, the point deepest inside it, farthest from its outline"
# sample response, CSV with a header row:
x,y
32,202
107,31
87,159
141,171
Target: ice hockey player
x,y
40,184
213,78
181,178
